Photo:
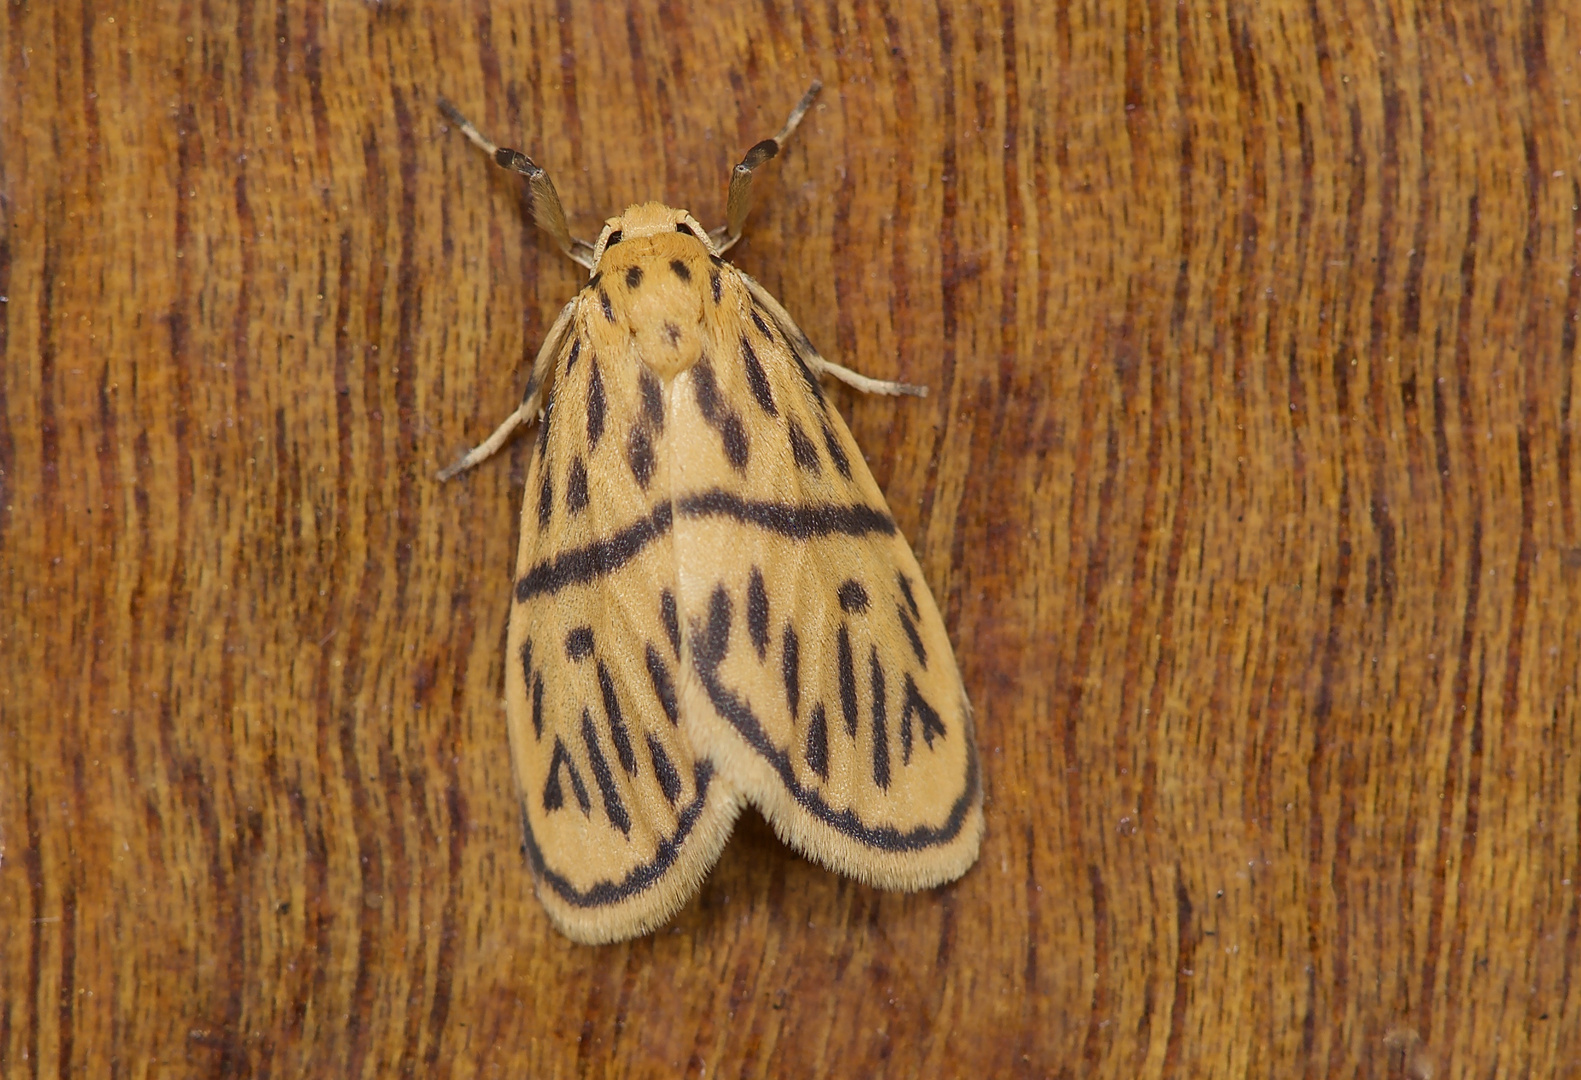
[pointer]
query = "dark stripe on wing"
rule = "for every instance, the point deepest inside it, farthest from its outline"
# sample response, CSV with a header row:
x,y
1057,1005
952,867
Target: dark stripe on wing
x,y
663,684
803,450
757,378
669,779
758,613
800,522
847,682
880,723
720,416
595,408
790,667
617,721
613,807
912,635
581,565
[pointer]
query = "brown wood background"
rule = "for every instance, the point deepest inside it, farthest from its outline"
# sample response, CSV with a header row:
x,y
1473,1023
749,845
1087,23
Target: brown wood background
x,y
1248,487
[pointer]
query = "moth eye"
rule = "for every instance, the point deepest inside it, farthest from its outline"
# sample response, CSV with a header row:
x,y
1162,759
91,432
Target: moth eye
x,y
682,226
614,238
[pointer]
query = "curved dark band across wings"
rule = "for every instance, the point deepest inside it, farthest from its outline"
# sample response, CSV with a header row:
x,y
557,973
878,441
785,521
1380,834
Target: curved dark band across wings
x,y
592,561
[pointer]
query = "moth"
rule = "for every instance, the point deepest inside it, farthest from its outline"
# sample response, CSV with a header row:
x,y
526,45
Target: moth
x,y
712,603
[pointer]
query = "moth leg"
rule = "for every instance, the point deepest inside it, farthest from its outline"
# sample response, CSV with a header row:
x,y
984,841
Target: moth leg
x,y
812,357
740,199
864,383
532,397
547,210
485,450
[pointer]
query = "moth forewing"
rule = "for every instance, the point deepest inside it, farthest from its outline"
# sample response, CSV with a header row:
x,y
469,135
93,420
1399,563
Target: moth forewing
x,y
829,691
712,603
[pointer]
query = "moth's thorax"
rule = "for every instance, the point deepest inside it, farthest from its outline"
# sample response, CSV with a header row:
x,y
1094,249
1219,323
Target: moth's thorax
x,y
654,291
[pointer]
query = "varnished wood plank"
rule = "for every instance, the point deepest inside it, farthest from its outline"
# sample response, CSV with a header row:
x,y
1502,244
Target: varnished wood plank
x,y
1246,482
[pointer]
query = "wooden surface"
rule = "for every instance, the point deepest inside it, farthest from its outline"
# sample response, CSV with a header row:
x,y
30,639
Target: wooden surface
x,y
1247,485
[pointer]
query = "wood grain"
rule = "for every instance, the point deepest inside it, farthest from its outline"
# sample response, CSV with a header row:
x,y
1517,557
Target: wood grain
x,y
1247,483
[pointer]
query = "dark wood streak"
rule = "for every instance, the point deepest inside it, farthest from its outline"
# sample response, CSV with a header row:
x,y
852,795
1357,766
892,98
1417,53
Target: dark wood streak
x,y
7,440
1186,935
1567,356
408,333
1456,777
951,270
33,867
1526,551
1470,678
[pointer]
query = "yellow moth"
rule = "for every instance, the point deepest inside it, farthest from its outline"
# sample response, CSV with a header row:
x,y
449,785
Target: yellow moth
x,y
712,604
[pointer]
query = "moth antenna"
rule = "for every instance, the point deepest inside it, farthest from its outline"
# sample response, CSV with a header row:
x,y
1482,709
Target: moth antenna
x,y
740,199
547,210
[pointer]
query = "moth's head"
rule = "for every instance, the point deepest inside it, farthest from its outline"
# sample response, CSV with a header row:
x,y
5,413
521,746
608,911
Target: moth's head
x,y
656,278
649,219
